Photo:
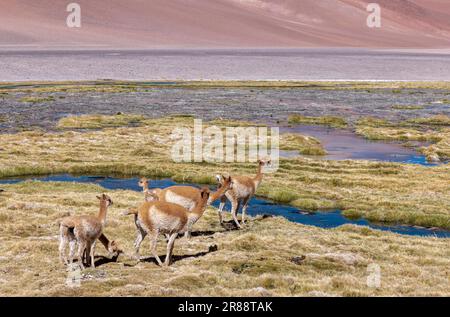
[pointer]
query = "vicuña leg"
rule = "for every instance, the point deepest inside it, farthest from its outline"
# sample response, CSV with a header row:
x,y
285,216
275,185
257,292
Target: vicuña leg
x,y
170,244
137,243
62,248
222,204
244,209
72,246
234,210
154,237
92,254
81,248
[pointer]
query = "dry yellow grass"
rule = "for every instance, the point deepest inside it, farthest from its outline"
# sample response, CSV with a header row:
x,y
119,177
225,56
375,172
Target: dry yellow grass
x,y
389,192
124,86
435,129
306,145
270,257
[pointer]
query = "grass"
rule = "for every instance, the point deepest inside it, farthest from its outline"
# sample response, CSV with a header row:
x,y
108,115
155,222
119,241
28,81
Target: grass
x,y
115,86
331,121
33,99
435,129
407,107
256,261
442,120
100,121
386,192
305,145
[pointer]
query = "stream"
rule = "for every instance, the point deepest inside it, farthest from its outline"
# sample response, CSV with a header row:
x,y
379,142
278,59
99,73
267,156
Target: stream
x,y
257,206
342,144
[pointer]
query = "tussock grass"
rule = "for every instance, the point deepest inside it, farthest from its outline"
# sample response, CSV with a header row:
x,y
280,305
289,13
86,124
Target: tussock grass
x,y
387,192
256,261
100,121
305,145
433,120
434,129
407,107
335,122
33,99
116,86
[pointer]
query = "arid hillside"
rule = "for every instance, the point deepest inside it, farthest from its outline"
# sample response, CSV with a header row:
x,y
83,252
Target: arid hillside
x,y
224,23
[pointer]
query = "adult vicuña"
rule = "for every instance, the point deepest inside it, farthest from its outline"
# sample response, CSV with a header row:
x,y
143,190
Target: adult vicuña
x,y
84,231
186,196
244,187
160,217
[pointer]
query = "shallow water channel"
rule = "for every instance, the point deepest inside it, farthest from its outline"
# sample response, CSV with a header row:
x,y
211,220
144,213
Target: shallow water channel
x,y
343,144
257,206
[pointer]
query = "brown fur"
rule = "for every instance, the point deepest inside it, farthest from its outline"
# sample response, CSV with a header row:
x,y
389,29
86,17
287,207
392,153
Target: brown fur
x,y
84,230
191,196
155,217
110,245
244,188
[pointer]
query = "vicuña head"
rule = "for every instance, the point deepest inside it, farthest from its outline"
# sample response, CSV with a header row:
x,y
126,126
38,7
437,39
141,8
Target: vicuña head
x,y
105,200
223,185
143,182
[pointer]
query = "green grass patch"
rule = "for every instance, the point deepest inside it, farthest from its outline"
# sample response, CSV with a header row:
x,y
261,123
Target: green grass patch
x,y
305,145
439,120
100,121
32,99
331,121
407,107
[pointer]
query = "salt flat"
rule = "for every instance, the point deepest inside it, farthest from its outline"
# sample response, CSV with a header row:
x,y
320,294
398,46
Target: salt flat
x,y
224,64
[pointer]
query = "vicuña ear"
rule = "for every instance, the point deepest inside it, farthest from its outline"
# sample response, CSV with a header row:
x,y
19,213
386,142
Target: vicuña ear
x,y
99,198
229,179
218,177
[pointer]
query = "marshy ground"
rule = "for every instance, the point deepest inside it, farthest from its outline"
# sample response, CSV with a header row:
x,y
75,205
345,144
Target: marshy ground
x,y
271,256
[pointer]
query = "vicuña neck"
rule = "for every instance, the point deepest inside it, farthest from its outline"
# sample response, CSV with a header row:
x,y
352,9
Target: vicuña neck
x,y
217,194
259,175
102,212
199,209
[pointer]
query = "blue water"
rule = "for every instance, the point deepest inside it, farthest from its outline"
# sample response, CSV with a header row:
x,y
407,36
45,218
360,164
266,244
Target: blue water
x,y
343,144
257,206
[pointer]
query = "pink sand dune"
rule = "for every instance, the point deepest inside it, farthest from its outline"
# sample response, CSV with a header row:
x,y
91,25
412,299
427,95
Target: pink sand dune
x,y
225,23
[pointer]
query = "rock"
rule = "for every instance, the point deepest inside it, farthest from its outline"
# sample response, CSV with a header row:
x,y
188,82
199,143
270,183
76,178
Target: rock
x,y
298,259
433,158
213,248
260,291
320,294
344,258
135,287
